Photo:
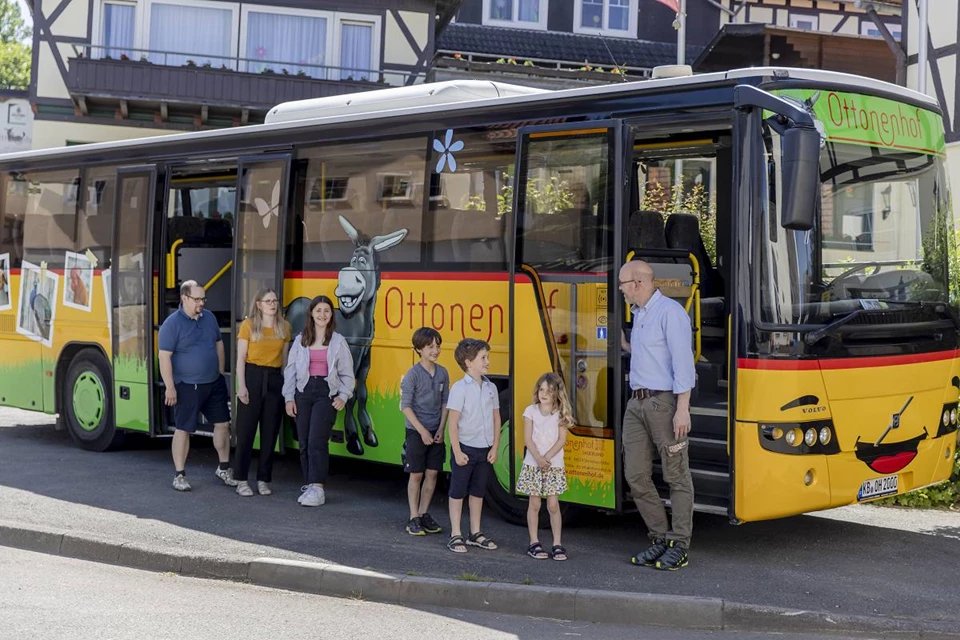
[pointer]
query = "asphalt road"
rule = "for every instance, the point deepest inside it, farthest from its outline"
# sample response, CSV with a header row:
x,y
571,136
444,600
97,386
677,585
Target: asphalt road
x,y
815,563
59,597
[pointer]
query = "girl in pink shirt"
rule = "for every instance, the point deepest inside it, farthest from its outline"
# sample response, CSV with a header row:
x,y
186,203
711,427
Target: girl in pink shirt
x,y
545,424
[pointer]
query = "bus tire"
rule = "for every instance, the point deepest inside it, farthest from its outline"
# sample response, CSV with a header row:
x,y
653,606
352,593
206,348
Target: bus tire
x,y
88,402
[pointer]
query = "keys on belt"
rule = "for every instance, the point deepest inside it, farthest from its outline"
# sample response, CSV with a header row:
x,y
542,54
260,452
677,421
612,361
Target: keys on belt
x,y
643,394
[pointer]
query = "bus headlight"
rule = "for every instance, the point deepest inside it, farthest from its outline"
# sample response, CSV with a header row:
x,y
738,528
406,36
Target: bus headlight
x,y
825,436
793,437
816,437
948,419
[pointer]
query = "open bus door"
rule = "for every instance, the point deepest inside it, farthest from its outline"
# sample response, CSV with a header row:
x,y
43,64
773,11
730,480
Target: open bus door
x,y
130,280
261,208
570,191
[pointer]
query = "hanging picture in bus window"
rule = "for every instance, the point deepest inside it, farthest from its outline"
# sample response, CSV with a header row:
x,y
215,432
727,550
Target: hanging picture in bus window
x,y
5,294
78,285
37,307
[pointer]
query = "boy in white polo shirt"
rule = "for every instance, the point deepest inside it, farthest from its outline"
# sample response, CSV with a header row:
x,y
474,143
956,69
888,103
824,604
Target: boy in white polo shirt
x,y
474,426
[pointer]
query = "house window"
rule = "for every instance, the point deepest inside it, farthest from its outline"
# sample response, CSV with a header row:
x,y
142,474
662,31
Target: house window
x,y
606,17
867,28
294,44
356,50
804,22
201,33
118,29
320,44
524,14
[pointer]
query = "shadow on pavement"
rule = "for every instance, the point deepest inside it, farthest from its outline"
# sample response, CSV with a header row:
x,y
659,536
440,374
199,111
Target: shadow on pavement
x,y
802,562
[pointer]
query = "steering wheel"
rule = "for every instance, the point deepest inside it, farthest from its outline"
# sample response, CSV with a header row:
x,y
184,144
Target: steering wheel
x,y
849,272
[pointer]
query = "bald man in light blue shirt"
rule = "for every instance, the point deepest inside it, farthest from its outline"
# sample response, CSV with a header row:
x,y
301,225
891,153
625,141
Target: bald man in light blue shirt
x,y
657,418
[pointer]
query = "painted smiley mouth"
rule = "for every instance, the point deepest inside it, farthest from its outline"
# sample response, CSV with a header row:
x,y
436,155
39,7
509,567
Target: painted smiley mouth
x,y
891,457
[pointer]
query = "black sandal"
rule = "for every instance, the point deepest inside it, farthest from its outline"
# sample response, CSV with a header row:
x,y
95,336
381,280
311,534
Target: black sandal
x,y
456,544
536,551
558,551
478,539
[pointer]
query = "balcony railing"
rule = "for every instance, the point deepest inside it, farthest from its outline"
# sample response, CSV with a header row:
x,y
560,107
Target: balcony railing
x,y
234,63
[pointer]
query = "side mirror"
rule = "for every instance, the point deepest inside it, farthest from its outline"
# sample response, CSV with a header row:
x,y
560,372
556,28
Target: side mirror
x,y
800,152
800,175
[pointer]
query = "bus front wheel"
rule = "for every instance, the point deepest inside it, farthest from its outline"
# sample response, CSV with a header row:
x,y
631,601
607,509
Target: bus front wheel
x,y
88,402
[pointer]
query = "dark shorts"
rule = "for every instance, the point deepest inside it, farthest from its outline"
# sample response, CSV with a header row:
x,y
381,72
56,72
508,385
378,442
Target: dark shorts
x,y
470,479
210,399
418,457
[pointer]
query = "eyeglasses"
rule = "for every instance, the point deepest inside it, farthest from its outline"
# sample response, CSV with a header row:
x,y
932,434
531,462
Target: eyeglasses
x,y
626,282
274,301
198,300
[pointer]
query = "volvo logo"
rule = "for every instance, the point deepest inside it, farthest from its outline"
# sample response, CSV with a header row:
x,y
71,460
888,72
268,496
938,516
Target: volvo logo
x,y
894,422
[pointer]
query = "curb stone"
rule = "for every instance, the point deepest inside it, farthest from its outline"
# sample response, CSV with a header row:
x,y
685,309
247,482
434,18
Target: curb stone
x,y
584,605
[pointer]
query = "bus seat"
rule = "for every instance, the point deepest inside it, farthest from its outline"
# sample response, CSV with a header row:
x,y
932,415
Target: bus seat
x,y
411,219
218,231
186,228
683,232
479,238
337,247
645,230
445,222
555,236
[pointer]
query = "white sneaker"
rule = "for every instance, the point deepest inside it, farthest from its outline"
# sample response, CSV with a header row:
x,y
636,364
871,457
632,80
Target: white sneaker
x,y
305,489
243,489
227,476
263,488
314,497
180,483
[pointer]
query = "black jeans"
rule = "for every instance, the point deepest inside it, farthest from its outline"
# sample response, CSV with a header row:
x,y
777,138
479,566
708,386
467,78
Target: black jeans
x,y
265,385
315,418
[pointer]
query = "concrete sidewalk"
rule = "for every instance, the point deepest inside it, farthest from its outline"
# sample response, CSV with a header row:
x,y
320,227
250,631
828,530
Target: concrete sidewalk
x,y
118,507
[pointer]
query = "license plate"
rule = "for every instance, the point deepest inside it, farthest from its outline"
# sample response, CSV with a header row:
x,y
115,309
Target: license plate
x,y
878,487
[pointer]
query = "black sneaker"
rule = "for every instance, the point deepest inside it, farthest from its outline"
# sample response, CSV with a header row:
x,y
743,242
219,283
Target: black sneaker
x,y
429,524
649,557
674,558
414,527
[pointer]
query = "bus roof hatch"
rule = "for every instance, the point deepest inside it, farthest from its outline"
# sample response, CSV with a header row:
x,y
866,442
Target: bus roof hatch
x,y
427,94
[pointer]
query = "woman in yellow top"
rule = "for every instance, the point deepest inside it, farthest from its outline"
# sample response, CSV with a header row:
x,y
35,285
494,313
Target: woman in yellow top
x,y
262,345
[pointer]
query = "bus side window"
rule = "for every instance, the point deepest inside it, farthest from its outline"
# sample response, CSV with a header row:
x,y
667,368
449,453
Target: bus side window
x,y
95,223
13,208
51,217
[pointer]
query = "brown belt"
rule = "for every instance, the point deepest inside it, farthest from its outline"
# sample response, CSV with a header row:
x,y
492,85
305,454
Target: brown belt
x,y
643,394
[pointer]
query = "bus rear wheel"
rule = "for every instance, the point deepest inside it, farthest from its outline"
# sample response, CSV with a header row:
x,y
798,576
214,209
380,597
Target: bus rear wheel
x,y
88,402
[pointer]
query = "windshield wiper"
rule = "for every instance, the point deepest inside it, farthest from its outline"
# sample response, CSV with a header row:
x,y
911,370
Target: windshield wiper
x,y
815,336
939,307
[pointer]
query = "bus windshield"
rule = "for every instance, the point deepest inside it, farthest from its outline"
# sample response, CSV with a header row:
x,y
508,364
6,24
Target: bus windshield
x,y
882,239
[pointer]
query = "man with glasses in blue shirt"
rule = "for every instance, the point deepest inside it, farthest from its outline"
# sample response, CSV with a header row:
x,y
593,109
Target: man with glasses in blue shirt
x,y
657,418
192,365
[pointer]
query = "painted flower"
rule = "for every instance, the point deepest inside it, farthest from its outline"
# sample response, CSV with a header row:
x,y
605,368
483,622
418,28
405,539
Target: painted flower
x,y
446,149
267,211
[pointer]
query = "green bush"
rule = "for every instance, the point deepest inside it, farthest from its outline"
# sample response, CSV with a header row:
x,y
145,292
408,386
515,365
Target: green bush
x,y
940,496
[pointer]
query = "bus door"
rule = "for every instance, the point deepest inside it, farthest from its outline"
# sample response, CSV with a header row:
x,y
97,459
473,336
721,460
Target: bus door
x,y
130,282
570,191
262,202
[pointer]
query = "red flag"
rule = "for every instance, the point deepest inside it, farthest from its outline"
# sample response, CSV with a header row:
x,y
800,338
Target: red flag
x,y
670,3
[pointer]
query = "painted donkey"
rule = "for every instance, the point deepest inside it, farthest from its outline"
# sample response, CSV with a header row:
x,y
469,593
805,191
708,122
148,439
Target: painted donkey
x,y
356,292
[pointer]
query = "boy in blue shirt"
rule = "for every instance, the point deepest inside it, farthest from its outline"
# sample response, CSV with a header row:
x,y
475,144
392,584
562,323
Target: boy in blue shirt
x,y
423,400
474,425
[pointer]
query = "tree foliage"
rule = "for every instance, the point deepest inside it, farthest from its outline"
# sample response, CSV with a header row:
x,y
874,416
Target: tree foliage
x,y
15,51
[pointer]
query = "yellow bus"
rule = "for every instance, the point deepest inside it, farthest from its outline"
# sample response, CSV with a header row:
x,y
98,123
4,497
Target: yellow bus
x,y
800,216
